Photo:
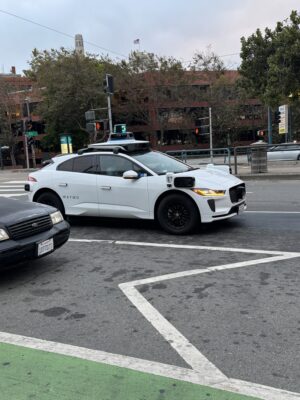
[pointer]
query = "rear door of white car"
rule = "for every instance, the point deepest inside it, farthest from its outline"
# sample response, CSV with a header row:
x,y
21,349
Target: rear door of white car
x,y
119,197
75,181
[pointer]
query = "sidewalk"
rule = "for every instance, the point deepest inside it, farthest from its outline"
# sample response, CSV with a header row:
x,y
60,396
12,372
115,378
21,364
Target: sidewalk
x,y
276,169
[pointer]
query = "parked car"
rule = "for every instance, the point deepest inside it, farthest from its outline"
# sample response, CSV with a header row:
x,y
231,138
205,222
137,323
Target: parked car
x,y
284,152
126,179
29,230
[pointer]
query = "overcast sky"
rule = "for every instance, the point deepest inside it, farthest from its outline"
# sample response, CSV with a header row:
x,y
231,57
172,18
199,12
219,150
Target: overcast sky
x,y
166,27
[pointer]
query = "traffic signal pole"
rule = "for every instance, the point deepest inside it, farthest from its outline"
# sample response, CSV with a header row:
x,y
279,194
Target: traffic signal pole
x,y
109,113
25,144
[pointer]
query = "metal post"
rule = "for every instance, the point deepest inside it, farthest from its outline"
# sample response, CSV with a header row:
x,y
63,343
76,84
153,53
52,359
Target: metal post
x,y
210,137
25,144
1,159
269,125
32,146
109,113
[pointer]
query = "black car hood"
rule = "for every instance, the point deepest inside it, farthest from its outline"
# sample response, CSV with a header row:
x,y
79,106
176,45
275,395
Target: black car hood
x,y
13,211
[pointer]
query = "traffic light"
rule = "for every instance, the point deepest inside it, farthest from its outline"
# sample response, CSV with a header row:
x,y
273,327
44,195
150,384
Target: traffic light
x,y
108,84
30,141
100,126
260,133
197,131
277,117
28,126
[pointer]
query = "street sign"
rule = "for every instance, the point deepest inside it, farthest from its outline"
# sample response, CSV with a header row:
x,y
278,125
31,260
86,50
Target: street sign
x,y
31,133
284,119
89,115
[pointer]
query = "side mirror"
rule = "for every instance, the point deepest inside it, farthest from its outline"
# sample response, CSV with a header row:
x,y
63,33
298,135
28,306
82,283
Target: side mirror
x,y
130,175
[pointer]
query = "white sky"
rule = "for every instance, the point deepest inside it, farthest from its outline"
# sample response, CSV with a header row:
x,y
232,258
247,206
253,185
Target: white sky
x,y
166,27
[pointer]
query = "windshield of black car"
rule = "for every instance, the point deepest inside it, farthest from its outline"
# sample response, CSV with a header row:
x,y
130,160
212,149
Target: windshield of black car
x,y
161,163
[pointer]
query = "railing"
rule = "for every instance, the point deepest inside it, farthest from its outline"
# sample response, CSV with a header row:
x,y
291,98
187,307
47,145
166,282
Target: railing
x,y
184,155
241,154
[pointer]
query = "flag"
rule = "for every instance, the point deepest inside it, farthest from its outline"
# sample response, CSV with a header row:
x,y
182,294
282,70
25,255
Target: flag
x,y
136,41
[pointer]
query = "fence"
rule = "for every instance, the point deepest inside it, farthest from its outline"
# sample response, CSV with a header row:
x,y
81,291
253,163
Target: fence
x,y
241,155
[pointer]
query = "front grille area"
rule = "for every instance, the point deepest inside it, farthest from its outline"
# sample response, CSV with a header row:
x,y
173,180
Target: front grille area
x,y
237,193
30,227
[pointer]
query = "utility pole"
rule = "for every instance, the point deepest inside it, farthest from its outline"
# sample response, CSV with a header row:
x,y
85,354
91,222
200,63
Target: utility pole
x,y
32,145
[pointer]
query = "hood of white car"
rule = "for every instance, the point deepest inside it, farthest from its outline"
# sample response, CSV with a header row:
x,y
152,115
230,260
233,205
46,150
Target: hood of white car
x,y
211,178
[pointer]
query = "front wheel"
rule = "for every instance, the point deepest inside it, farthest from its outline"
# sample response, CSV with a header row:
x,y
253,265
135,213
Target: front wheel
x,y
51,199
177,214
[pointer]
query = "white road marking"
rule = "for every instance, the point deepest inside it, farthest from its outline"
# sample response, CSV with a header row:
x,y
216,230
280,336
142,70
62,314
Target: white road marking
x,y
13,194
273,212
16,181
11,186
205,372
10,190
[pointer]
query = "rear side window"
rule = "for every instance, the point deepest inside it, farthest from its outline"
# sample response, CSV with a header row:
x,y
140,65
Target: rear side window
x,y
66,166
85,164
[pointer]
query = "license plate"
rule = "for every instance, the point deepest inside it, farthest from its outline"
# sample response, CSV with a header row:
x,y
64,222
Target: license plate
x,y
45,247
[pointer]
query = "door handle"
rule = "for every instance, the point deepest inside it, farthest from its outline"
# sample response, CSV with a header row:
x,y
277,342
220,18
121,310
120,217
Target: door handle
x,y
105,187
63,184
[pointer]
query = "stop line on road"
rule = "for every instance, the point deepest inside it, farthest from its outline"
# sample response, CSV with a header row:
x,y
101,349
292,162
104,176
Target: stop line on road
x,y
12,188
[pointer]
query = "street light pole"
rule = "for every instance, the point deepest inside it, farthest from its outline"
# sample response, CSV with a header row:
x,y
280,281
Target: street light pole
x,y
25,144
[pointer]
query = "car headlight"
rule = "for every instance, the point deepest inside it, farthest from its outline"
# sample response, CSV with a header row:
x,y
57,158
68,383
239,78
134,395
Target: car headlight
x,y
56,217
209,192
3,235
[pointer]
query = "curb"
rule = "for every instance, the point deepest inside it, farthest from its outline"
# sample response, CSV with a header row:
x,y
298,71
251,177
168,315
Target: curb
x,y
268,177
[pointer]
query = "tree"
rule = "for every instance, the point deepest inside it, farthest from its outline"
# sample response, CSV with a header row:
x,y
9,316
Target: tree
x,y
70,84
8,130
147,88
270,67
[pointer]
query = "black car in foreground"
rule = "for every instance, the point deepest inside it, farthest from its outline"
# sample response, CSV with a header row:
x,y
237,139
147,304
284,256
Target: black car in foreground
x,y
29,230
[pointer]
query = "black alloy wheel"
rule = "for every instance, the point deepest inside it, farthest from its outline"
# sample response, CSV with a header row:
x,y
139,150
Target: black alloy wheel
x,y
177,214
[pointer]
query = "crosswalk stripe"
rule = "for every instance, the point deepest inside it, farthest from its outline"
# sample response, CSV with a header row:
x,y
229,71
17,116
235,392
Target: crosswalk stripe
x,y
10,190
11,186
12,194
16,182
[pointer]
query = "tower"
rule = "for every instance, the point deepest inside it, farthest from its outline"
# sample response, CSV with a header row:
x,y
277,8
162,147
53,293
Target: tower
x,y
79,48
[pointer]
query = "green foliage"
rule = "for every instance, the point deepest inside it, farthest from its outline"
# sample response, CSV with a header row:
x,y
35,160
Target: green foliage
x,y
270,67
70,85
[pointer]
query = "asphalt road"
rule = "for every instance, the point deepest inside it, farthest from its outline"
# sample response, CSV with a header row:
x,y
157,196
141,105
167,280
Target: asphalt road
x,y
245,321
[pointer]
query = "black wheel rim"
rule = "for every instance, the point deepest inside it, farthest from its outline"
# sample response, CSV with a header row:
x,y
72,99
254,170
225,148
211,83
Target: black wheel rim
x,y
177,215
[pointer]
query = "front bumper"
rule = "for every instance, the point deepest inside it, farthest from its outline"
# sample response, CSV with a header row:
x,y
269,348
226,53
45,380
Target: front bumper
x,y
13,252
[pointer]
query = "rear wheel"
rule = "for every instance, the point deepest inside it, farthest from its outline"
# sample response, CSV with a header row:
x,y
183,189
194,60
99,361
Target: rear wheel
x,y
51,199
177,214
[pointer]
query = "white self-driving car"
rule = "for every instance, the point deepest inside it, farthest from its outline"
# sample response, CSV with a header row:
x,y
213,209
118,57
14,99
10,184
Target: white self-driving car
x,y
126,179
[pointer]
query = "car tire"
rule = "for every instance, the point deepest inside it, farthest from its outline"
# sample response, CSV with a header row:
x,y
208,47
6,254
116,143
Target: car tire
x,y
51,199
298,158
177,214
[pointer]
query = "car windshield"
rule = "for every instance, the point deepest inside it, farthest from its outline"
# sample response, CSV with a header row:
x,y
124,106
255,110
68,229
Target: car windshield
x,y
161,163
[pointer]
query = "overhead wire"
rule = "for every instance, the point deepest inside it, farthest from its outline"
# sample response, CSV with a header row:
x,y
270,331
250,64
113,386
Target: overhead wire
x,y
60,32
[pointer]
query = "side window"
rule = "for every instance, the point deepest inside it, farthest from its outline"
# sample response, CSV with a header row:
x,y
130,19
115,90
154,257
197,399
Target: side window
x,y
66,166
114,165
85,164
117,165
